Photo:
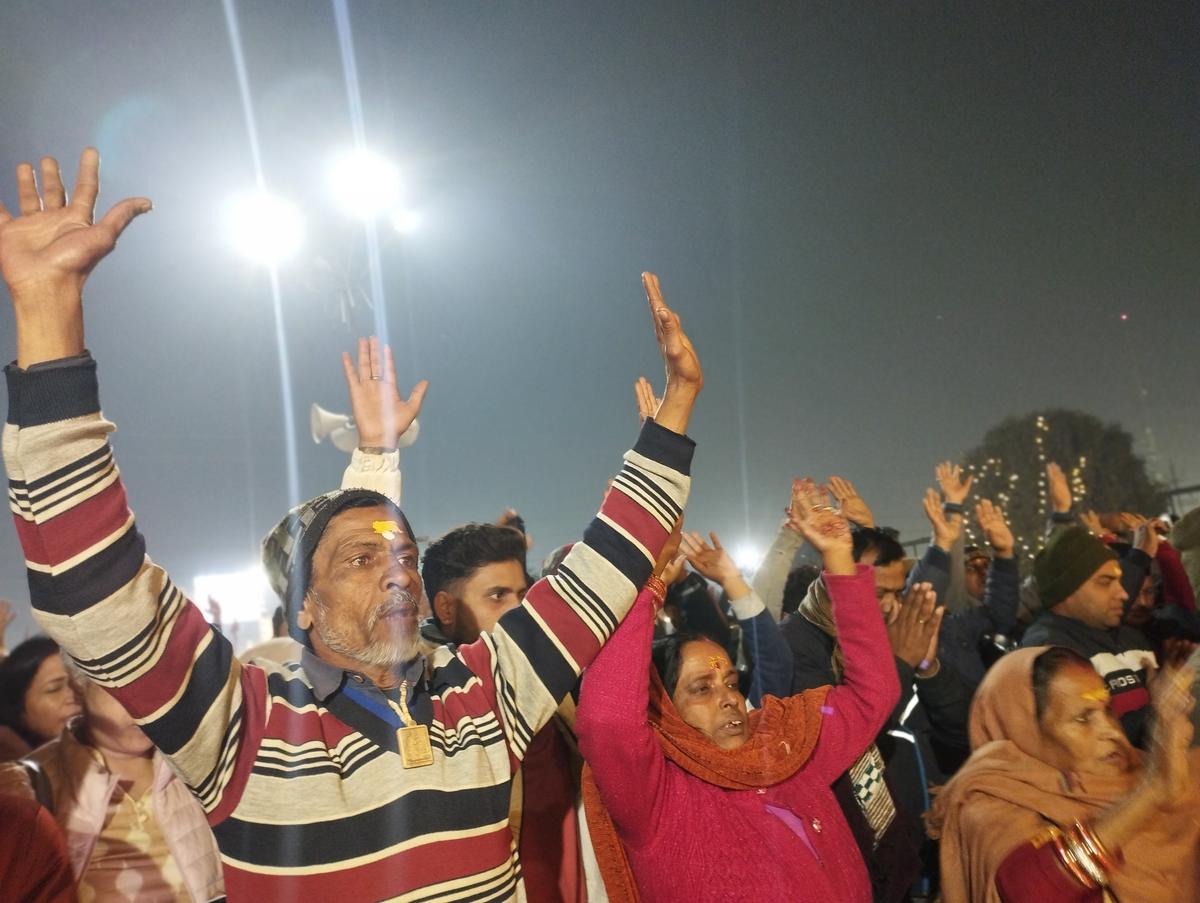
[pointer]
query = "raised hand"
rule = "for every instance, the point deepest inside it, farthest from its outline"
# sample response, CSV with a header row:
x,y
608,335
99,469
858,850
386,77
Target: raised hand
x,y
512,519
647,401
1168,772
673,571
685,378
822,525
1146,538
1057,488
913,632
955,487
712,561
946,528
380,413
995,528
1091,520
7,616
854,509
50,248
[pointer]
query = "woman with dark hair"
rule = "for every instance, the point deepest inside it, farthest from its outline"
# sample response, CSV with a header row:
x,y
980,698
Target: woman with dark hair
x,y
1055,804
680,774
37,697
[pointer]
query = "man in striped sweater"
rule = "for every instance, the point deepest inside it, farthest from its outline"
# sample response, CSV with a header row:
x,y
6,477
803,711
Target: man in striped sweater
x,y
363,772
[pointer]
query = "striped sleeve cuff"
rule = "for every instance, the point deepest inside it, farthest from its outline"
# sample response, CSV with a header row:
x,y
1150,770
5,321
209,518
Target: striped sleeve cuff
x,y
660,444
52,391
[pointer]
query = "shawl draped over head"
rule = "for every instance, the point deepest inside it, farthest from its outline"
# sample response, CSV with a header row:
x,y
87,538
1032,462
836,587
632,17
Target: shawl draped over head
x,y
783,735
1007,793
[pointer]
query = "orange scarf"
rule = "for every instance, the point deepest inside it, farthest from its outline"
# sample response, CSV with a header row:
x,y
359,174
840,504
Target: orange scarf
x,y
783,734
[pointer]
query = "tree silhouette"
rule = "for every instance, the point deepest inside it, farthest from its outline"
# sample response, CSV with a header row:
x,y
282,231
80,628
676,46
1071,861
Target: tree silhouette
x,y
1106,474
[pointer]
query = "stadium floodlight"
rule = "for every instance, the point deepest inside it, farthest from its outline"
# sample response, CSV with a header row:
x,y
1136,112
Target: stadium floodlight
x,y
264,228
365,184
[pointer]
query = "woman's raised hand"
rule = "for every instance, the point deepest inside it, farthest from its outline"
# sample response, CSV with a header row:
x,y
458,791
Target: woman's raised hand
x,y
817,520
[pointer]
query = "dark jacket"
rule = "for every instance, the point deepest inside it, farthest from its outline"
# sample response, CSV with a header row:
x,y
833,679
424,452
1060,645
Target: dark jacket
x,y
1120,655
963,631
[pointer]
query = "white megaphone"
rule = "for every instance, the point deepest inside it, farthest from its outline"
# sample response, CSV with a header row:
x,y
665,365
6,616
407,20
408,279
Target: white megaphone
x,y
342,432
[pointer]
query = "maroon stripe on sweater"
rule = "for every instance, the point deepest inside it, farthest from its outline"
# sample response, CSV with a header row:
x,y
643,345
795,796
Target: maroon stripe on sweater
x,y
633,518
254,694
77,528
412,869
158,686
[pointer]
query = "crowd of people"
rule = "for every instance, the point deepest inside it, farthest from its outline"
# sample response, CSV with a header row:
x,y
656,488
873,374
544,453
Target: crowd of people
x,y
640,720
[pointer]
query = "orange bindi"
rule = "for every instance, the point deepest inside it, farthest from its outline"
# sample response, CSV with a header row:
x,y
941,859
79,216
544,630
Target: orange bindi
x,y
714,663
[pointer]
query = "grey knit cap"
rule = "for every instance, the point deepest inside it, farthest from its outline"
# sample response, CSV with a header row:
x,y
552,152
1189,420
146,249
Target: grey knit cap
x,y
288,549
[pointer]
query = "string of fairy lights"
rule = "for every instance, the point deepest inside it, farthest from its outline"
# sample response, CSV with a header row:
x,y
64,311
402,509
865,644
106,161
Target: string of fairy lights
x,y
991,471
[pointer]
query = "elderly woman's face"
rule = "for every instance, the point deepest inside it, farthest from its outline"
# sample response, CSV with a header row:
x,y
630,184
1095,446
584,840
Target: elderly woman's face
x,y
1079,724
707,695
51,700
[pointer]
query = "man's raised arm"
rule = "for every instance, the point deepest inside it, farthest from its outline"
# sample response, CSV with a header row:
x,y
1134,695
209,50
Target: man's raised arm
x,y
93,588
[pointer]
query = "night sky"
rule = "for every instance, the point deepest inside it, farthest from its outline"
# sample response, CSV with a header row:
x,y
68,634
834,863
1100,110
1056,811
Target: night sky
x,y
886,227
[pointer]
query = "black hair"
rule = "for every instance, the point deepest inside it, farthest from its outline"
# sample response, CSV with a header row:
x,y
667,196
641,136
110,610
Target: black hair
x,y
881,539
464,550
796,588
277,621
1046,667
667,655
16,674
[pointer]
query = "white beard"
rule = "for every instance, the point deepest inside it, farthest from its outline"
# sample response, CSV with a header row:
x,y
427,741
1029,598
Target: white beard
x,y
383,653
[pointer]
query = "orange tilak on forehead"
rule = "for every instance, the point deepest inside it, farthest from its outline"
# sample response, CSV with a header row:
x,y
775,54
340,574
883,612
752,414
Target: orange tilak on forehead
x,y
715,663
1100,694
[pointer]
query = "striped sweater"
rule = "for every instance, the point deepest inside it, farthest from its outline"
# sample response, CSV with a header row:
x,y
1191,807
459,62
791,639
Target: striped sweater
x,y
303,786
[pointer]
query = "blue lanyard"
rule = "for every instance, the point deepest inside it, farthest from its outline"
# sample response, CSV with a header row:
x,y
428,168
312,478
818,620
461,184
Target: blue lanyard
x,y
374,706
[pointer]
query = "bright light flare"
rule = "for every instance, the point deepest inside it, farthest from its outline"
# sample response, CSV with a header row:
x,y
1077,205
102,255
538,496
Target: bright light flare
x,y
244,596
747,556
364,184
405,222
265,229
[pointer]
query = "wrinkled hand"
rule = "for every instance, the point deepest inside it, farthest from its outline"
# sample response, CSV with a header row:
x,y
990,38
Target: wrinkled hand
x,y
854,509
946,528
48,251
712,561
1058,490
380,413
1168,773
647,401
914,632
822,525
995,528
53,241
955,487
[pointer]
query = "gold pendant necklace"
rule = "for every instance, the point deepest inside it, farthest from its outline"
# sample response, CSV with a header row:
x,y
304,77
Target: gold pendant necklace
x,y
412,738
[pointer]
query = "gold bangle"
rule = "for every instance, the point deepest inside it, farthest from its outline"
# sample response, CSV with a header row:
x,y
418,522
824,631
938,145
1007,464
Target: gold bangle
x,y
1067,858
